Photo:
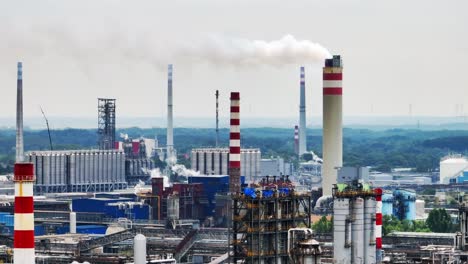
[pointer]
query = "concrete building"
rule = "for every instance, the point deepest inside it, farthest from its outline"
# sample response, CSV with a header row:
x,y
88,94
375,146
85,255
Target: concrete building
x,y
275,166
78,170
215,161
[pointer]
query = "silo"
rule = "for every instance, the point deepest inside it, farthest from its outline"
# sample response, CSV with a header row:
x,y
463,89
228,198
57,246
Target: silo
x,y
201,162
193,160
341,231
358,230
38,166
87,160
216,158
53,169
63,169
46,169
72,169
209,159
387,204
114,175
257,165
95,163
80,178
369,227
224,162
139,249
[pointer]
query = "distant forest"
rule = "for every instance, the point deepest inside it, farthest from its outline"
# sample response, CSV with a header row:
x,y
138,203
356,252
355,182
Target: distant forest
x,y
382,149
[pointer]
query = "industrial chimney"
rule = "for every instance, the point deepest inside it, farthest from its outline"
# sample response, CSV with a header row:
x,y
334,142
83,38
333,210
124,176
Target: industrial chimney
x,y
378,224
234,144
23,237
332,122
302,116
170,136
296,139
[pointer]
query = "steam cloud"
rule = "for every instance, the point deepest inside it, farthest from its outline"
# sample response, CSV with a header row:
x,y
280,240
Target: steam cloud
x,y
118,45
183,171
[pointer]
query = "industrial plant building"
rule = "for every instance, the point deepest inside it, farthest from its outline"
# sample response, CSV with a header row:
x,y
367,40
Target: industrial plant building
x,y
78,170
215,161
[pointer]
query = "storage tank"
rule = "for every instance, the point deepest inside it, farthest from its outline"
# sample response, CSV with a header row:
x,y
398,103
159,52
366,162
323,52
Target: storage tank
x,y
341,231
209,168
420,209
358,230
139,249
404,204
201,162
369,228
387,204
451,166
216,167
225,161
72,169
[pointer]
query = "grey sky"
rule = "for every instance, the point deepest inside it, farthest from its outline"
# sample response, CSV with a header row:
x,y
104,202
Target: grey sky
x,y
395,53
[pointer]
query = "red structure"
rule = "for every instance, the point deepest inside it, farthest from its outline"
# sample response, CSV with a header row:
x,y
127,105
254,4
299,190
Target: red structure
x,y
234,145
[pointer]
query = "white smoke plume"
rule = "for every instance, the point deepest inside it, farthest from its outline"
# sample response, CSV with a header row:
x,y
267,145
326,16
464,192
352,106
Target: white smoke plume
x,y
238,51
124,136
156,173
138,186
183,171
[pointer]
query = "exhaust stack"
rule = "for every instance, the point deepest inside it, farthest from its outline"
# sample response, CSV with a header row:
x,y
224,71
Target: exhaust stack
x,y
302,116
234,145
19,115
170,136
332,122
23,237
296,139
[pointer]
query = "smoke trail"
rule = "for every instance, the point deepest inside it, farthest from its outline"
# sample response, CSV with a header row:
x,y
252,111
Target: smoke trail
x,y
240,52
183,171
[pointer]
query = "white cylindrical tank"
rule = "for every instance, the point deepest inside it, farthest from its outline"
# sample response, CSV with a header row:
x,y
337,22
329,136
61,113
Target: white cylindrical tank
x,y
358,230
72,223
216,167
209,168
193,160
332,122
452,165
369,227
224,162
341,232
139,249
201,162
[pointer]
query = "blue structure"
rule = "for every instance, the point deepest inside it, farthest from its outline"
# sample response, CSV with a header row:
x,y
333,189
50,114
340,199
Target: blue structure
x,y
387,204
404,204
462,178
112,207
212,184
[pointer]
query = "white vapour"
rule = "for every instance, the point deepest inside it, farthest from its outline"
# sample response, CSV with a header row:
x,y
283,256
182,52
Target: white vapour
x,y
124,136
156,173
138,186
183,171
239,51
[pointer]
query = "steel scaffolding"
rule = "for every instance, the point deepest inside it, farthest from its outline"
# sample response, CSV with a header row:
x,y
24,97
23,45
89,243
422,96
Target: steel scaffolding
x,y
106,123
260,225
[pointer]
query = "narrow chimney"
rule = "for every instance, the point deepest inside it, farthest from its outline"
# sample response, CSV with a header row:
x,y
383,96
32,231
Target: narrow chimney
x,y
302,116
296,139
332,122
19,115
234,145
217,118
170,135
23,236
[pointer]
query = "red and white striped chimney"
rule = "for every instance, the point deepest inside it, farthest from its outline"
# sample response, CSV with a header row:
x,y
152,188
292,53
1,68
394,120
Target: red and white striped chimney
x,y
234,145
23,237
23,242
296,139
378,224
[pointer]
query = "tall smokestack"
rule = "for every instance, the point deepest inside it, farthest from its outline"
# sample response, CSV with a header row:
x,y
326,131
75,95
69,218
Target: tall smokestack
x,y
234,144
19,115
23,237
170,135
217,118
302,116
378,224
332,122
296,139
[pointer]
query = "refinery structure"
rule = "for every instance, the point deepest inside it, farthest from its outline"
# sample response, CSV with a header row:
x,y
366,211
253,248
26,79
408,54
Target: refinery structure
x,y
129,201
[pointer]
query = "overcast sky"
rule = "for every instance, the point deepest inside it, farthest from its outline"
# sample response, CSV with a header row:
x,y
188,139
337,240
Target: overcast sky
x,y
395,54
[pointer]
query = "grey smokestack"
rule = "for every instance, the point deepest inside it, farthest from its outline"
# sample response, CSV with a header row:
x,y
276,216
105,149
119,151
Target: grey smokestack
x,y
19,115
170,135
302,116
